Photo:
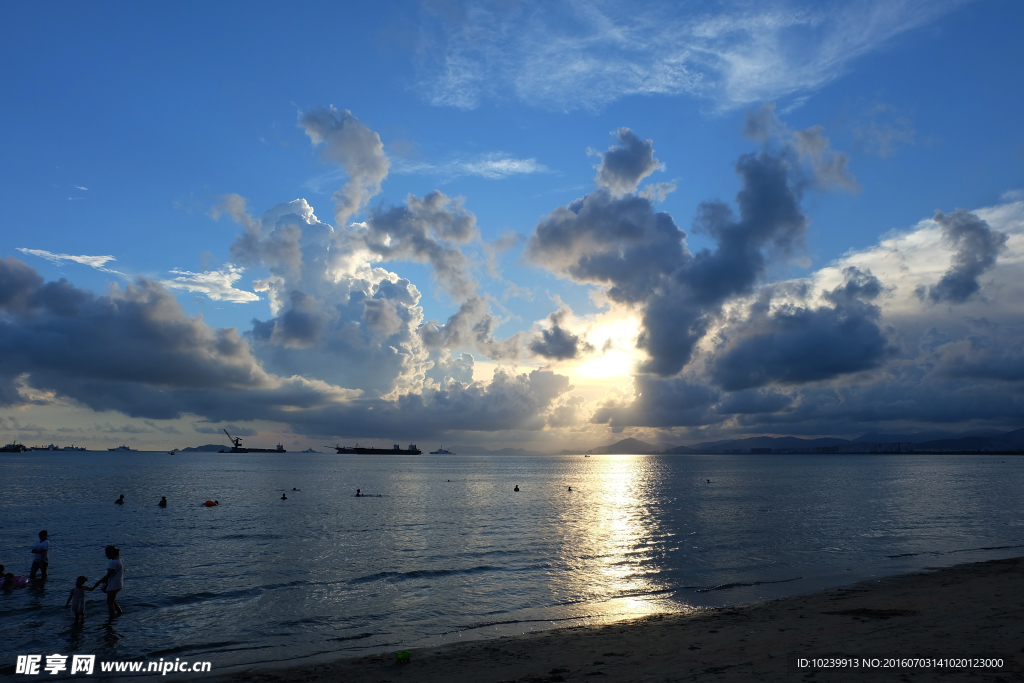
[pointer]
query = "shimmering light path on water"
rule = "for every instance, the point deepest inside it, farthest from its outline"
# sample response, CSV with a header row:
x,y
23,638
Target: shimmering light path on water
x,y
450,551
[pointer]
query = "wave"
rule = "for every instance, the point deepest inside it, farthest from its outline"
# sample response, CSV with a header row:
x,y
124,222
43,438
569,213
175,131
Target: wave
x,y
727,586
935,553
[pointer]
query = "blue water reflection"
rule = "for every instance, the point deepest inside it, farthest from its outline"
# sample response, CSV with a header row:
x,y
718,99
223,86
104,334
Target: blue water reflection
x,y
450,551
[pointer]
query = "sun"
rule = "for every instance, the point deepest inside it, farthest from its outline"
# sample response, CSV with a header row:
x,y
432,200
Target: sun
x,y
615,354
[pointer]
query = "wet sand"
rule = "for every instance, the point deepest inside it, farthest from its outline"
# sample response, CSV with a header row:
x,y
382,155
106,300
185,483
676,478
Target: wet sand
x,y
971,610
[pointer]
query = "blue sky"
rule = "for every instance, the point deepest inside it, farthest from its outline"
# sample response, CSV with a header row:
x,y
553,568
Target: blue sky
x,y
127,126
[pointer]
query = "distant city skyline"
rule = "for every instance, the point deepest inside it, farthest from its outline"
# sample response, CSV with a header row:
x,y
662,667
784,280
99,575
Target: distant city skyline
x,y
537,226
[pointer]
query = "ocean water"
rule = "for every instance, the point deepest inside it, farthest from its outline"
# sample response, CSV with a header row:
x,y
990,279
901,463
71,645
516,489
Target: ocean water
x,y
450,552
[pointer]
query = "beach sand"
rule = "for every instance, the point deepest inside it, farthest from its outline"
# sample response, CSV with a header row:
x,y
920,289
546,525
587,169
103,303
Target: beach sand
x,y
971,610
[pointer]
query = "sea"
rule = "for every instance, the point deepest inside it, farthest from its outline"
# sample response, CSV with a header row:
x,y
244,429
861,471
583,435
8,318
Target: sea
x,y
441,548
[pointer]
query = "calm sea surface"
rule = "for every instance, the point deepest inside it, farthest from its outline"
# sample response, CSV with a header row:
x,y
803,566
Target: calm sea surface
x,y
449,551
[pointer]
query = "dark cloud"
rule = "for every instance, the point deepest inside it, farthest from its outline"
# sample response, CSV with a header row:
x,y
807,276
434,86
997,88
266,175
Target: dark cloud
x,y
796,345
136,352
64,338
558,343
661,403
977,247
624,165
641,256
753,402
829,168
621,242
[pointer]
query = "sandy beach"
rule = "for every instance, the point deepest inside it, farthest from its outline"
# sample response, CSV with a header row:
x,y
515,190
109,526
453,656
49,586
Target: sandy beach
x,y
966,611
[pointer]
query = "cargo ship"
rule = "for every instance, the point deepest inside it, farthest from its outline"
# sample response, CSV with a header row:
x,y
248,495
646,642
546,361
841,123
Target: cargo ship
x,y
360,450
237,447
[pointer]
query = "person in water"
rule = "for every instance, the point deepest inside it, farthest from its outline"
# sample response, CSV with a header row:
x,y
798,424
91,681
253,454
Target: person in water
x,y
113,582
9,582
163,502
294,489
284,497
570,488
516,488
40,555
359,493
120,501
77,598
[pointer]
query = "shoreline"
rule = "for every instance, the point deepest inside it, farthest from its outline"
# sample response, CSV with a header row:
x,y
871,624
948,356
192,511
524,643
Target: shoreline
x,y
968,610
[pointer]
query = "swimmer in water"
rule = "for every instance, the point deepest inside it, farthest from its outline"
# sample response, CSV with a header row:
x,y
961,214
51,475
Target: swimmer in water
x,y
570,488
516,488
163,502
120,501
359,493
294,489
284,497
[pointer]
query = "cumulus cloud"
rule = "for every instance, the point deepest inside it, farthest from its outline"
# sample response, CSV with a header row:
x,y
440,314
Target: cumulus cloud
x,y
357,149
641,257
564,56
624,165
136,335
216,284
558,343
977,247
147,359
797,345
97,262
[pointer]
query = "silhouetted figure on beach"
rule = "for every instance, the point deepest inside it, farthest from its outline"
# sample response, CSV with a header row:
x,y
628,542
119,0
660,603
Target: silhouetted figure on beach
x,y
77,598
40,555
120,501
113,582
163,502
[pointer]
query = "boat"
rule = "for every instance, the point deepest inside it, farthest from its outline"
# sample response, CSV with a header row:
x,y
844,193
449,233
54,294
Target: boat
x,y
122,448
441,451
363,450
51,447
14,448
237,447
309,450
73,448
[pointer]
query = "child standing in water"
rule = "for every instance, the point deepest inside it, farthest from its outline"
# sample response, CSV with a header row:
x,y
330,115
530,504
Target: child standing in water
x,y
77,598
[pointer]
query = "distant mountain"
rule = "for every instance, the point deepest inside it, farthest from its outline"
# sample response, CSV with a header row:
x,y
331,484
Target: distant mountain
x,y
1006,441
768,442
626,446
919,437
208,448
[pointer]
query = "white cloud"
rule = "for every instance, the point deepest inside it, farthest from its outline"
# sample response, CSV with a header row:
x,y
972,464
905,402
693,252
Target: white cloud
x,y
97,262
566,55
216,284
494,165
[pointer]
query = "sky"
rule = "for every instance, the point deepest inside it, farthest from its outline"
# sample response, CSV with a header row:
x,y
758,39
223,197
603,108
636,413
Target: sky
x,y
510,224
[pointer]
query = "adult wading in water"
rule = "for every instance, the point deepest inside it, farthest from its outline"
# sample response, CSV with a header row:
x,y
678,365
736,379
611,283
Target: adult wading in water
x,y
113,581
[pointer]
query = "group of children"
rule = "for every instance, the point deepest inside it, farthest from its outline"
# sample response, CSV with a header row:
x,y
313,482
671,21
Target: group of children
x,y
112,582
